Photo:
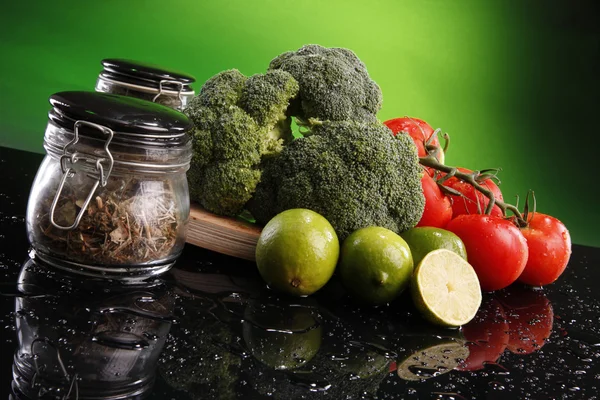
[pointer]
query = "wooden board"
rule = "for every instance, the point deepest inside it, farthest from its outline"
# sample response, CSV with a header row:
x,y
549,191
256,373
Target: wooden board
x,y
225,235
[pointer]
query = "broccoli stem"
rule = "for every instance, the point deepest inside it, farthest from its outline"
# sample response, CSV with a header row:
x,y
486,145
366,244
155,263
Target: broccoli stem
x,y
432,162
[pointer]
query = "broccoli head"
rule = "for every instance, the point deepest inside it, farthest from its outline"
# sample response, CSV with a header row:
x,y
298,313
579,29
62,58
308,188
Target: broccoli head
x,y
354,174
238,120
334,84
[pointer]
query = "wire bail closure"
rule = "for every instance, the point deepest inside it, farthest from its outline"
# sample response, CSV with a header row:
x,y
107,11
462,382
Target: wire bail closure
x,y
68,172
179,92
71,381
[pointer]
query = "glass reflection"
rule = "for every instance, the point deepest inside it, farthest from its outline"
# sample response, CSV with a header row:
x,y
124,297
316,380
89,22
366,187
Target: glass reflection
x,y
85,338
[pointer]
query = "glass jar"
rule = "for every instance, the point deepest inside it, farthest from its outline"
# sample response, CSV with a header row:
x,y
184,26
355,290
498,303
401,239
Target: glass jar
x,y
146,81
110,198
88,339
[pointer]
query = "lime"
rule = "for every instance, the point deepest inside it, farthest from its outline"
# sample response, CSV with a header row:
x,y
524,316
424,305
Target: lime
x,y
445,288
375,265
362,363
432,360
424,239
297,252
281,337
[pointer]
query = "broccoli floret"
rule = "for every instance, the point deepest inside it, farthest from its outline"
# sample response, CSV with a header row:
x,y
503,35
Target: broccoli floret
x,y
238,120
354,174
223,89
334,85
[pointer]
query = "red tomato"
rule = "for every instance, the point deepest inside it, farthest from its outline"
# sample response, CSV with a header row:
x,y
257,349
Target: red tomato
x,y
496,248
419,130
438,210
487,335
472,197
530,318
549,246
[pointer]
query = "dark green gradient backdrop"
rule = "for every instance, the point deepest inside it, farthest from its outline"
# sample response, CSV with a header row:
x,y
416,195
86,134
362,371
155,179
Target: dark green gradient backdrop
x,y
514,82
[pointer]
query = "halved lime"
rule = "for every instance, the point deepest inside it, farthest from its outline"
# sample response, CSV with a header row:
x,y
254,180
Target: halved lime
x,y
433,360
445,288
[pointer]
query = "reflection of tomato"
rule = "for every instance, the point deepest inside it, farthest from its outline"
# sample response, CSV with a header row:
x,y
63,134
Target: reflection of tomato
x,y
530,318
496,248
549,246
472,201
438,210
487,335
393,366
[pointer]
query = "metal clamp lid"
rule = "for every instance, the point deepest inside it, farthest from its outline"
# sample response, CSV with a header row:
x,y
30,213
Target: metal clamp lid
x,y
68,172
133,121
161,90
145,74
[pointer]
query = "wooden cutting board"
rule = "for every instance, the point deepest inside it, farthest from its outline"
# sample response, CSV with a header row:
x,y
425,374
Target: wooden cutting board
x,y
226,235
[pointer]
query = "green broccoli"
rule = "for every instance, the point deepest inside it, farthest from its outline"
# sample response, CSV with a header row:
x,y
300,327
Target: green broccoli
x,y
354,174
334,85
238,120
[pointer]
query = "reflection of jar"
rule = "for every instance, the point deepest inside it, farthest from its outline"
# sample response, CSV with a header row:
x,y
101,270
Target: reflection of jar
x,y
111,198
146,81
89,338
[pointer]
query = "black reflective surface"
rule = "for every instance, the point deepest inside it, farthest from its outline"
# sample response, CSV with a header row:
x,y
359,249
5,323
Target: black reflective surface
x,y
209,329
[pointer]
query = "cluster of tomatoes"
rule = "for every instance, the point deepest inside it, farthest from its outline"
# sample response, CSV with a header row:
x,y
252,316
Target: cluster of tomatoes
x,y
532,248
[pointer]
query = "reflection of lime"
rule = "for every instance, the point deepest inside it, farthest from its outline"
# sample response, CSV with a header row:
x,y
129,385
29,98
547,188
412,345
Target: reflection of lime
x,y
297,252
445,289
435,360
281,337
375,265
362,363
424,239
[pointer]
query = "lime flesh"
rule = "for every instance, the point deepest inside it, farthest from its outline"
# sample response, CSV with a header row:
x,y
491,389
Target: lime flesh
x,y
432,361
445,289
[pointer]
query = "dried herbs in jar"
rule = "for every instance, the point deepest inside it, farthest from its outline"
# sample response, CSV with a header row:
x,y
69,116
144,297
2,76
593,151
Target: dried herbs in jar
x,y
111,198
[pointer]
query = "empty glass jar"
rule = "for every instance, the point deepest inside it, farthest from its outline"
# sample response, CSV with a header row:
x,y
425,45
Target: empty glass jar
x,y
146,81
110,198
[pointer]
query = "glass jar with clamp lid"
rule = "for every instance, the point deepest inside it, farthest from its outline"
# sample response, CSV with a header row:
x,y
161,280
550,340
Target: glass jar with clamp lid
x,y
111,198
146,81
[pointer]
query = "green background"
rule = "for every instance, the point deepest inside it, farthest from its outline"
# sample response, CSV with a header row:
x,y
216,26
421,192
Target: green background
x,y
514,82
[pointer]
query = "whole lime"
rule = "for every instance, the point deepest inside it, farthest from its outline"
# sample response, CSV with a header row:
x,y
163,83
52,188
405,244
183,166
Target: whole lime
x,y
375,265
297,252
424,239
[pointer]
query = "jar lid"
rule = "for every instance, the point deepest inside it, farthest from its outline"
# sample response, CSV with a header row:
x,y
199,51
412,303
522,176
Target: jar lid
x,y
132,120
145,74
